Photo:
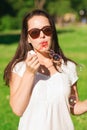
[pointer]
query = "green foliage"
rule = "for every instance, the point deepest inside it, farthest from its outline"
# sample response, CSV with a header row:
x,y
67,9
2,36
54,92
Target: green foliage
x,y
12,11
59,7
78,4
8,23
6,8
18,5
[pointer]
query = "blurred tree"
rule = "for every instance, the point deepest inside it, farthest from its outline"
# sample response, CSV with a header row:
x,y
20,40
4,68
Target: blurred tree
x,y
58,7
6,8
39,3
14,10
19,5
78,4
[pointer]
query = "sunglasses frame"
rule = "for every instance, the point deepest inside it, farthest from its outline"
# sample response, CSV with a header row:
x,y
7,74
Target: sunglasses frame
x,y
31,32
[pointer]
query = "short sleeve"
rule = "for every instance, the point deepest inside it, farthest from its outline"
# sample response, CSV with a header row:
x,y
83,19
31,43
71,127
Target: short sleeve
x,y
19,68
70,70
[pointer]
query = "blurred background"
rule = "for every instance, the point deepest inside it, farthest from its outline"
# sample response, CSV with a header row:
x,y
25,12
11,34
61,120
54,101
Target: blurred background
x,y
63,11
70,18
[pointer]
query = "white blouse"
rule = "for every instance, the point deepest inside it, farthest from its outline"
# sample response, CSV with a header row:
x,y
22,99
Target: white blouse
x,y
48,108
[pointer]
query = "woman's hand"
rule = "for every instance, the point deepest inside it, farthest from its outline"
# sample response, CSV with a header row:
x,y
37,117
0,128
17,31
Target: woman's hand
x,y
77,107
32,62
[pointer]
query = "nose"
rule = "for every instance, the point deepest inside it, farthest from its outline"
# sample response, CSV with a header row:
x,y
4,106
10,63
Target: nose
x,y
42,35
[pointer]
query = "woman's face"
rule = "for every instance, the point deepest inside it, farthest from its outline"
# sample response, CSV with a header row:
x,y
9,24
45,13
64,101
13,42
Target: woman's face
x,y
40,39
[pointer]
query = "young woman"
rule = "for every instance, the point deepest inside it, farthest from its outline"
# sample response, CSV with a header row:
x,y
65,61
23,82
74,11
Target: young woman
x,y
43,82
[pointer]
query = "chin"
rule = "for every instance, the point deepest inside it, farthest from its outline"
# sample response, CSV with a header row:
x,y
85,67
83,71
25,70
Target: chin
x,y
44,49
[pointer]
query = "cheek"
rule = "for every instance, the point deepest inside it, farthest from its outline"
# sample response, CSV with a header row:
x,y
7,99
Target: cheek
x,y
34,43
31,41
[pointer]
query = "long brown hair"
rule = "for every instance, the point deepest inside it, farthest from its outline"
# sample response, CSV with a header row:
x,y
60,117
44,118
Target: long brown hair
x,y
24,47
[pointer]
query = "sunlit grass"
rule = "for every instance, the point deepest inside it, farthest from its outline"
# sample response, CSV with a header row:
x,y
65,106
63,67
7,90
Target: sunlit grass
x,y
74,44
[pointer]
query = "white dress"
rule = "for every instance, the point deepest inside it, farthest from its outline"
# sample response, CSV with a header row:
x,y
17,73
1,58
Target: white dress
x,y
48,108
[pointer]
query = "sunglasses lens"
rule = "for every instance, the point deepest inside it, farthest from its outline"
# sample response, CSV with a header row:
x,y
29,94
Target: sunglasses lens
x,y
47,31
34,33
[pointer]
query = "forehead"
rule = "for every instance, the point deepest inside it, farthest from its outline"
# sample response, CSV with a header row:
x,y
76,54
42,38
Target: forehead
x,y
37,22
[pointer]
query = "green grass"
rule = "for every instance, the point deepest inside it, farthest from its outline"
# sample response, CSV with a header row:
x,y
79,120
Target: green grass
x,y
73,41
74,44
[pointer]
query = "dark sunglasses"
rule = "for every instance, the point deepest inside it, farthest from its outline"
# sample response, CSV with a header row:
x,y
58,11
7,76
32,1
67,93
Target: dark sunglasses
x,y
35,32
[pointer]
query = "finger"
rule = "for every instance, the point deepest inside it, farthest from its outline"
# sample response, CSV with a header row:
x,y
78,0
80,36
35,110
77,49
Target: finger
x,y
30,57
33,67
31,53
33,61
37,66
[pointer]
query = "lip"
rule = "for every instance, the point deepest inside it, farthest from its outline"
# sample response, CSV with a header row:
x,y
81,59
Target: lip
x,y
44,43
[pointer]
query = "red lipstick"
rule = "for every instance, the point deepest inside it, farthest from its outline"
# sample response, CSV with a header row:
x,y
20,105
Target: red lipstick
x,y
44,44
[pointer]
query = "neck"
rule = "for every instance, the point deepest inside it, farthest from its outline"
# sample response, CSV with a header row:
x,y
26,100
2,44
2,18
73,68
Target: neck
x,y
43,56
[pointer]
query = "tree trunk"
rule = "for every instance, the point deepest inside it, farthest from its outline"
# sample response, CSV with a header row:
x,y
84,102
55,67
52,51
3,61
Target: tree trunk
x,y
39,4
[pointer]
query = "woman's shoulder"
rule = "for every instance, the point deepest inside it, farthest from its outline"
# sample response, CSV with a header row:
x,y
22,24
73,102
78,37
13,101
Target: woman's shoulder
x,y
71,70
19,65
19,68
69,66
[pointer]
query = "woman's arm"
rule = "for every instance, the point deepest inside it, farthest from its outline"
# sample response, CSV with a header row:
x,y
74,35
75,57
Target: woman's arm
x,y
78,107
20,92
21,87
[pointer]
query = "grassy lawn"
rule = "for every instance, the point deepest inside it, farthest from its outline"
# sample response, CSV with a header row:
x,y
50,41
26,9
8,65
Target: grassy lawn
x,y
73,41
